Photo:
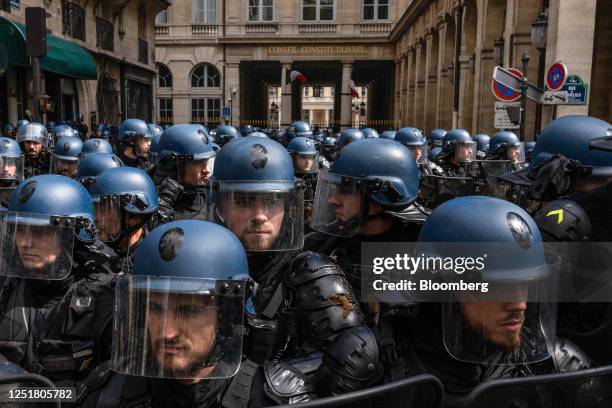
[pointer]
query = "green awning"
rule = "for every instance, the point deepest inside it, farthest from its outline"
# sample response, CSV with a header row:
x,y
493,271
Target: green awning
x,y
63,57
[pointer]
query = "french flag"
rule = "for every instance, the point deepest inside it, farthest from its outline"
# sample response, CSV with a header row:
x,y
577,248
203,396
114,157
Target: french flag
x,y
353,89
297,75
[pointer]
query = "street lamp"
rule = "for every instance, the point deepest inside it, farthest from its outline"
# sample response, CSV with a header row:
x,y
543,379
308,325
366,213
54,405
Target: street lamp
x,y
539,31
525,61
498,51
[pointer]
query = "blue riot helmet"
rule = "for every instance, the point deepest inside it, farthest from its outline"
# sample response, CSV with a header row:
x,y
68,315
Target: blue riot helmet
x,y
155,129
135,134
106,135
388,134
92,165
65,156
257,196
413,139
571,136
246,130
215,147
11,163
225,133
258,134
482,142
529,146
279,136
97,146
433,153
436,137
459,146
21,122
304,154
368,173
516,324
8,130
319,138
297,129
188,285
64,131
505,145
348,136
185,155
45,215
124,198
33,132
370,133
154,151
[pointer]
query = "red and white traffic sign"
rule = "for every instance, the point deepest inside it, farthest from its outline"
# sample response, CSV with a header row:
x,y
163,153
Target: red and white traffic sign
x,y
502,92
556,76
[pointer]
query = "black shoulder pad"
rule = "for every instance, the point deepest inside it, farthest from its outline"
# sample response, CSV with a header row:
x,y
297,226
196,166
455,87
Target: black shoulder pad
x,y
563,220
311,265
569,358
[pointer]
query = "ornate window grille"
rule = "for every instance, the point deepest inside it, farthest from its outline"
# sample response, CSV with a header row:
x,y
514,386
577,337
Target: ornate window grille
x,y
73,18
105,34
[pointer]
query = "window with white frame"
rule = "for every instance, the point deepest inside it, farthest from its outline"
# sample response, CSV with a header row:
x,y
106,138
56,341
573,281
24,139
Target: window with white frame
x,y
375,9
165,76
317,91
205,76
318,10
205,11
306,91
161,17
205,110
261,10
165,110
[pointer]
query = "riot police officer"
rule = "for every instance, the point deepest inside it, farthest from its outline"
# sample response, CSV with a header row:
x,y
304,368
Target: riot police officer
x,y
11,168
436,138
92,165
370,133
529,146
306,167
99,129
60,131
482,144
33,140
184,164
505,145
505,331
135,140
65,156
57,297
565,155
367,196
124,200
458,150
96,145
414,140
329,149
299,128
177,314
258,198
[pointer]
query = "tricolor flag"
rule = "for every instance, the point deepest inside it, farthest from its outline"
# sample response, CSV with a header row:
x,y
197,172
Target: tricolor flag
x,y
353,89
297,75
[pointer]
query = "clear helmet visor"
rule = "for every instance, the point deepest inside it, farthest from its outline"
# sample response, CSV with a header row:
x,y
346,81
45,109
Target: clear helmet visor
x,y
35,246
268,220
177,328
420,152
512,323
305,163
193,172
435,190
33,134
516,153
107,211
465,152
338,204
11,168
64,167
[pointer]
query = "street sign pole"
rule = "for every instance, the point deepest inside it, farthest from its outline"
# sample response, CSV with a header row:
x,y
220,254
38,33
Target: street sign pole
x,y
524,82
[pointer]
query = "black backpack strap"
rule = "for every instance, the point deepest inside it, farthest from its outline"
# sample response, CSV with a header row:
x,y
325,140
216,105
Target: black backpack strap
x,y
238,393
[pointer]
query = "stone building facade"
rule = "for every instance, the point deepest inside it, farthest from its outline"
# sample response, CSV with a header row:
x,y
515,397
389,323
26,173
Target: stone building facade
x,y
100,60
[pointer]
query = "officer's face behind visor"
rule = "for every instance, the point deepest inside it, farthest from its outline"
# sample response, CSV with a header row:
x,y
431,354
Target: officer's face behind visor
x,y
182,331
32,149
142,145
66,168
37,246
304,163
255,218
499,323
8,168
346,203
196,172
